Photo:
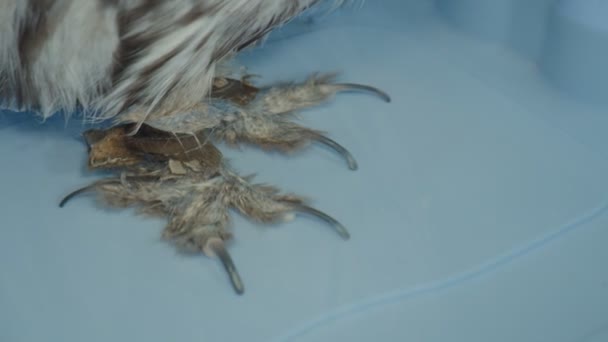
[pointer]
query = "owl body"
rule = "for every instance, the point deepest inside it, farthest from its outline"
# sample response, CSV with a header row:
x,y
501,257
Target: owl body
x,y
109,58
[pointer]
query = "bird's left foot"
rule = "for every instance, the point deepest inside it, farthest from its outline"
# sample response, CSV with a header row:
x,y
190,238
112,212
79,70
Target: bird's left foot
x,y
173,176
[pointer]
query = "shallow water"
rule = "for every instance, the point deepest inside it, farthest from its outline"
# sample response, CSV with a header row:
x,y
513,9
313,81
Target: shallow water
x,y
478,213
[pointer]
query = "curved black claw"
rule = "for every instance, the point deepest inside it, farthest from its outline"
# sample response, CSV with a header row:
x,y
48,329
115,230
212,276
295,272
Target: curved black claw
x,y
218,248
362,87
350,160
92,187
342,231
75,193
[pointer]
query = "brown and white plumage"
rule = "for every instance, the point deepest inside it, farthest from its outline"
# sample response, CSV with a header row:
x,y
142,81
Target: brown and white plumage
x,y
110,57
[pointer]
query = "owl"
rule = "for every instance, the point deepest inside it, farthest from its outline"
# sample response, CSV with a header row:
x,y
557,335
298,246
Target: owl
x,y
161,81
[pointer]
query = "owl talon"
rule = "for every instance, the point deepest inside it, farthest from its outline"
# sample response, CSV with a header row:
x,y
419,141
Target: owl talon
x,y
340,229
216,247
75,193
85,189
341,150
344,87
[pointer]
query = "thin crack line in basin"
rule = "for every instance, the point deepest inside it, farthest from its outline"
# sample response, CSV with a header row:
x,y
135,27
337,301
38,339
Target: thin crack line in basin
x,y
485,268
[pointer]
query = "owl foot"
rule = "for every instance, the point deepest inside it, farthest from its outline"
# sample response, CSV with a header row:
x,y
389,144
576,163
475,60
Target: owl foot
x,y
194,191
